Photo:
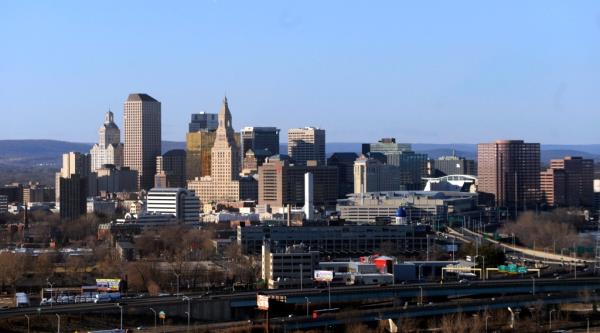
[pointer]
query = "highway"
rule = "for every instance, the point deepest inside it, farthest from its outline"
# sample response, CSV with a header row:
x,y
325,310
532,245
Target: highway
x,y
338,295
522,250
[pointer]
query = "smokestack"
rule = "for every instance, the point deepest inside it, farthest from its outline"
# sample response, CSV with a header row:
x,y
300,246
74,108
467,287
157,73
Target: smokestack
x,y
309,209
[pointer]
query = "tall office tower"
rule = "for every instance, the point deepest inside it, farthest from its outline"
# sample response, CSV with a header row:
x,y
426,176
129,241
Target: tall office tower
x,y
142,137
223,184
109,149
281,183
225,155
198,147
203,121
569,182
452,165
34,192
74,183
385,146
345,164
112,179
552,187
370,175
74,163
263,141
73,198
170,169
306,144
413,166
510,171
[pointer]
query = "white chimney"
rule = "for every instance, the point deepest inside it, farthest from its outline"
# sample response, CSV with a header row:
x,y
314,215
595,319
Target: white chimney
x,y
309,209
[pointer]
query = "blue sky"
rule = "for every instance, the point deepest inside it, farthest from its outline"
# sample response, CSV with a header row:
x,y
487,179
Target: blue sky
x,y
421,71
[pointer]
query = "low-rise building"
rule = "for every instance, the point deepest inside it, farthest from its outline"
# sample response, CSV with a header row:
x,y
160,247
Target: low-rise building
x,y
335,240
178,202
293,267
368,208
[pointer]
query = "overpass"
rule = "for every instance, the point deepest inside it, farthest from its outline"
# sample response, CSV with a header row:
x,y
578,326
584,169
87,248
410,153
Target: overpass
x,y
239,306
521,249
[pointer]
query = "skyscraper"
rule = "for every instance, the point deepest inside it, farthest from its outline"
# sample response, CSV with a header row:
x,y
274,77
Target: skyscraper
x,y
263,141
306,144
370,175
411,165
569,182
510,170
142,137
224,183
198,147
109,149
73,163
203,121
452,165
282,183
170,169
345,164
74,183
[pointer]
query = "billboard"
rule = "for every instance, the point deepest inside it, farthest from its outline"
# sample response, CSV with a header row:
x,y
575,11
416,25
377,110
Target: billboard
x,y
262,301
324,276
108,285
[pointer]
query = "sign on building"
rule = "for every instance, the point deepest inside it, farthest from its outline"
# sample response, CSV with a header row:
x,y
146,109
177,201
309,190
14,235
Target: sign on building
x,y
324,276
108,285
262,301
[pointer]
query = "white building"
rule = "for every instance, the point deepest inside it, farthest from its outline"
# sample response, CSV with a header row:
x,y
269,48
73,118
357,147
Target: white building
x,y
178,202
291,268
109,149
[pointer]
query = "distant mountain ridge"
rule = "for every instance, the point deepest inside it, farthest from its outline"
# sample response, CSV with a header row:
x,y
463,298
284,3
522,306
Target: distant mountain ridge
x,y
48,152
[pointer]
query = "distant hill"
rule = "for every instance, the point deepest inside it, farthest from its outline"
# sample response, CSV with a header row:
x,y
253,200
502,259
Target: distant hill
x,y
49,152
29,153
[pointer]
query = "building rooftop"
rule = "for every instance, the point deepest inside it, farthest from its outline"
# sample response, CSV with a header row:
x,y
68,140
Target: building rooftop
x,y
138,97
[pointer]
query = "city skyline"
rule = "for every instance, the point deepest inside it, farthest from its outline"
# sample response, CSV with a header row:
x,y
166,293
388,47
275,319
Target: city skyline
x,y
421,69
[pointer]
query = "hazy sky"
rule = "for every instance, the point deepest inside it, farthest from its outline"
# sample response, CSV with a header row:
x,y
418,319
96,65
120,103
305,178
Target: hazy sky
x,y
422,71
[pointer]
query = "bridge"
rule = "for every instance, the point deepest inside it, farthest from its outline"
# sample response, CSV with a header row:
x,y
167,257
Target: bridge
x,y
242,306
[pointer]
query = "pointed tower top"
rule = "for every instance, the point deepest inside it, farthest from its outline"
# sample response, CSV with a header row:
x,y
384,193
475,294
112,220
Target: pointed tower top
x,y
225,107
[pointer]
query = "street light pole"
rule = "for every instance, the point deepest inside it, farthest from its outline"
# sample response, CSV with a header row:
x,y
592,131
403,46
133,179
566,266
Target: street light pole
x,y
301,284
58,316
154,311
51,299
307,304
533,285
177,275
121,309
329,287
26,316
188,311
420,295
550,315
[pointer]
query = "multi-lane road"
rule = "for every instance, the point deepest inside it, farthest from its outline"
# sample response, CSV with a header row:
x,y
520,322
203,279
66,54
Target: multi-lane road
x,y
338,295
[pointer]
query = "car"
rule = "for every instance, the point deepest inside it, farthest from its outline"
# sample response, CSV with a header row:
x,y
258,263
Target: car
x,y
463,281
47,301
